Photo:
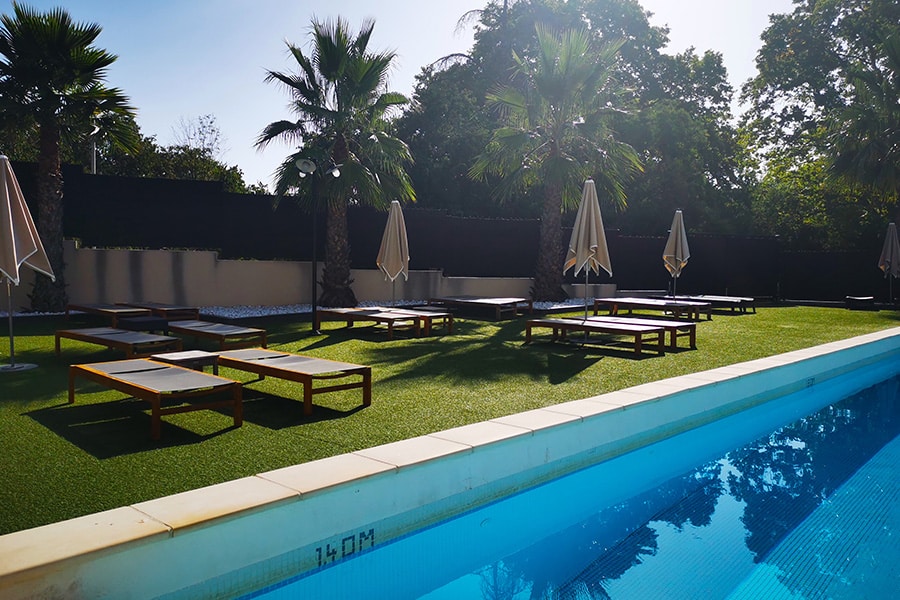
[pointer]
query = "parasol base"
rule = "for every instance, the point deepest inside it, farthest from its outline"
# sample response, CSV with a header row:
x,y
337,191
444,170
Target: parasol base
x,y
17,367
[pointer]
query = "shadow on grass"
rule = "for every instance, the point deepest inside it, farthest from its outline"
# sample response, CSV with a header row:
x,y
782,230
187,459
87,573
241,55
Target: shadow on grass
x,y
278,412
110,429
371,333
892,315
475,352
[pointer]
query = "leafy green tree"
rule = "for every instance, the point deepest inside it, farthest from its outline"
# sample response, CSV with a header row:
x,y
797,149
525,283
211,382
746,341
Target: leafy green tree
x,y
865,135
52,80
557,135
693,157
803,204
677,117
827,91
339,97
445,127
194,157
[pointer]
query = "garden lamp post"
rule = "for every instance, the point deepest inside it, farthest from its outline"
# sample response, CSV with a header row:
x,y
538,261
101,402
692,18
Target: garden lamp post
x,y
307,167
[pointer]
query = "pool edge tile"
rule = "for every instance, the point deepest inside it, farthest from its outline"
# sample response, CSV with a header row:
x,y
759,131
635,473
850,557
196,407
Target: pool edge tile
x,y
406,453
537,420
481,433
41,547
208,504
318,475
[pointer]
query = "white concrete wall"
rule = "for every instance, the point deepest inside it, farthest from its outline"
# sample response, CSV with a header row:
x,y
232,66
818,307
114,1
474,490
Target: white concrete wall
x,y
200,278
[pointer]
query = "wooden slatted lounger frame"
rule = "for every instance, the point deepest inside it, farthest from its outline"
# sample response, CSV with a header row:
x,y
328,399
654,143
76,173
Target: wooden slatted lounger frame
x,y
113,312
500,305
690,309
133,343
740,304
354,315
561,327
229,337
169,312
427,317
302,369
154,382
676,327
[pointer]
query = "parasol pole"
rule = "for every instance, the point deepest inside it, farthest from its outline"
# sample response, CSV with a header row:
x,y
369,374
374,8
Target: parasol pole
x,y
12,349
585,293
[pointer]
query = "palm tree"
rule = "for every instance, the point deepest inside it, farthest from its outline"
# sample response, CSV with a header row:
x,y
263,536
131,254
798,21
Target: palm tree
x,y
557,135
51,79
339,97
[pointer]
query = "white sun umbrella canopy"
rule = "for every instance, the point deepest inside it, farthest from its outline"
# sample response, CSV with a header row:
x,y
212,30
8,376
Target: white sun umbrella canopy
x,y
889,261
20,245
587,246
676,253
393,255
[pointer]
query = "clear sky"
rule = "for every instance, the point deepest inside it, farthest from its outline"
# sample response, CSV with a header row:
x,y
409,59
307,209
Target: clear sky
x,y
180,59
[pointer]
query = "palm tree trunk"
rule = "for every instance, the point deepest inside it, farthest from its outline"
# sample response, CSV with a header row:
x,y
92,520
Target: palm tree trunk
x,y
49,296
548,271
336,290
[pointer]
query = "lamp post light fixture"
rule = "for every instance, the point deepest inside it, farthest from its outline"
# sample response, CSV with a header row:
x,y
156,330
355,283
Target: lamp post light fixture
x,y
94,149
306,167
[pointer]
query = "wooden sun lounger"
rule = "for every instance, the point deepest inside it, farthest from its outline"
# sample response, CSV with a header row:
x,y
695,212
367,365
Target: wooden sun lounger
x,y
501,306
427,317
227,336
169,312
155,381
678,308
111,311
676,327
302,369
638,333
133,343
741,304
393,320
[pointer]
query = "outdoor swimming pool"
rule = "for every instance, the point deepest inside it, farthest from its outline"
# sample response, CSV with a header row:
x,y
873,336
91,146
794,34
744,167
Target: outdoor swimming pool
x,y
807,510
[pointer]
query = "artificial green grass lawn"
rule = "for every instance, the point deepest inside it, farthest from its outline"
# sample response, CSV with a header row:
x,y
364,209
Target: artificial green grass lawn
x,y
60,461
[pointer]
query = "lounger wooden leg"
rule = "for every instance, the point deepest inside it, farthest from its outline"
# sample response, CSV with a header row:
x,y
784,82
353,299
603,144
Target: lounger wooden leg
x,y
307,397
238,406
367,387
57,344
692,337
637,343
661,343
528,333
449,321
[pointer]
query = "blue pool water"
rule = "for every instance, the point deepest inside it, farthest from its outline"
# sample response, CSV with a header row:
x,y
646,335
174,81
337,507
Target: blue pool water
x,y
807,510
